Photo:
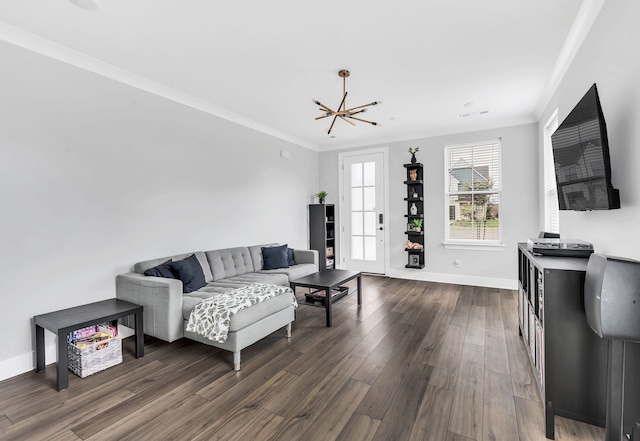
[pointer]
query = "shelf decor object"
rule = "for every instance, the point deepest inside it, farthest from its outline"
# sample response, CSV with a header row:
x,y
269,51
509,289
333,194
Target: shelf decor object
x,y
322,195
344,113
414,246
413,151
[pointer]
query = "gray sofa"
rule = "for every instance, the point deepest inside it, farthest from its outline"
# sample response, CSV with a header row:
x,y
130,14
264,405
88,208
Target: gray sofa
x,y
167,308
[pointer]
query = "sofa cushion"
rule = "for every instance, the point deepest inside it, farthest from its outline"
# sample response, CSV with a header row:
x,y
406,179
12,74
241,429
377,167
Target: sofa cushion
x,y
162,270
246,316
190,273
275,257
256,254
141,267
229,262
293,272
291,257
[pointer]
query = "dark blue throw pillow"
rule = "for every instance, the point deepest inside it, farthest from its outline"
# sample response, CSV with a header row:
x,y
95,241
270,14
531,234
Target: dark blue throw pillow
x,y
190,273
275,257
291,257
162,270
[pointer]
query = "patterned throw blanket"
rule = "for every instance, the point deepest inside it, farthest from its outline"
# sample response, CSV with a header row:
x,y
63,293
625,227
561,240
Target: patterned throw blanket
x,y
210,318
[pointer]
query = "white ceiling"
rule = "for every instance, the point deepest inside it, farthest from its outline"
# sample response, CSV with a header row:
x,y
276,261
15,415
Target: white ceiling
x,y
260,63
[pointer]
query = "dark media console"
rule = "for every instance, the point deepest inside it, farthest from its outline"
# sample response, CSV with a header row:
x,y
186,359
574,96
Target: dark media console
x,y
568,358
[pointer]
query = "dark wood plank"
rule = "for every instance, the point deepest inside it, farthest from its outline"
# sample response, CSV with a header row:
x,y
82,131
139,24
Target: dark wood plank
x,y
432,422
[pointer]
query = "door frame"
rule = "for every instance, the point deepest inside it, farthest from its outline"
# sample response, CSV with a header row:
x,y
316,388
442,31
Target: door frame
x,y
385,190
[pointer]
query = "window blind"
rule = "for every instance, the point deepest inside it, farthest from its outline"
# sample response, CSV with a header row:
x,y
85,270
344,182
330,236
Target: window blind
x,y
473,190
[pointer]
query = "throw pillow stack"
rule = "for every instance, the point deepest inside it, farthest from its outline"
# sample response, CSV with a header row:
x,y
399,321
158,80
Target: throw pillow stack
x,y
277,257
187,270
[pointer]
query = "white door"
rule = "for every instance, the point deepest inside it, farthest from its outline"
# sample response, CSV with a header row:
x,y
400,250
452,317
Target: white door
x,y
364,217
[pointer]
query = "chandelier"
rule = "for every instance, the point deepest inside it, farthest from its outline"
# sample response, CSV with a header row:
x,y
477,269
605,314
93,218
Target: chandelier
x,y
343,113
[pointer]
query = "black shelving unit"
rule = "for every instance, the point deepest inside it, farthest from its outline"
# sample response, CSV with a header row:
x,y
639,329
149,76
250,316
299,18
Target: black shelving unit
x,y
322,233
415,196
567,357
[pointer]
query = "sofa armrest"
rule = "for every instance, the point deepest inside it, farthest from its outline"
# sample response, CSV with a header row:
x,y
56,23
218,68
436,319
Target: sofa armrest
x,y
161,300
307,256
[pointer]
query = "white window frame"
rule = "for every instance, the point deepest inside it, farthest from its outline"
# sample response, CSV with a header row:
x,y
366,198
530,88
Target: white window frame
x,y
550,190
479,244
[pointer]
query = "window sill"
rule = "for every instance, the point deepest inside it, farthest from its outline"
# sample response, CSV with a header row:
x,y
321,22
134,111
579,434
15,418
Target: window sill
x,y
473,245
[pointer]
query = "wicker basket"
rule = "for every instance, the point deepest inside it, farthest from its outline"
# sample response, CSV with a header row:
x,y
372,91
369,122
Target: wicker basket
x,y
94,357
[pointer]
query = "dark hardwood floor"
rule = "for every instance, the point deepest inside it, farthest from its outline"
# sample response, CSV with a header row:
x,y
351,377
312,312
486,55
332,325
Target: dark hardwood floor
x,y
418,361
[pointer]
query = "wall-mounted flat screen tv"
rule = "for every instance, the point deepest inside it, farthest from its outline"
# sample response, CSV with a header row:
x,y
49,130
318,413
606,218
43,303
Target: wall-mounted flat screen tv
x,y
581,157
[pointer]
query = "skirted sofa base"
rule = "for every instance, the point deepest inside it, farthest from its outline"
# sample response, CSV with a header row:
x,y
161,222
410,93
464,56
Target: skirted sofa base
x,y
167,308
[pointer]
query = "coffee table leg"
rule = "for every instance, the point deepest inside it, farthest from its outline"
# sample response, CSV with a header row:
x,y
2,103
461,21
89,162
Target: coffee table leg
x,y
39,348
63,374
359,290
137,317
328,307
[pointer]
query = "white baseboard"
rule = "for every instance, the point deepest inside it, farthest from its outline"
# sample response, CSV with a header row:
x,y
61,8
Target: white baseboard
x,y
27,362
489,282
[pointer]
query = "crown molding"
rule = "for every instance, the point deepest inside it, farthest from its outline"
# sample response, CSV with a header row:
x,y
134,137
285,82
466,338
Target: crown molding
x,y
34,43
582,24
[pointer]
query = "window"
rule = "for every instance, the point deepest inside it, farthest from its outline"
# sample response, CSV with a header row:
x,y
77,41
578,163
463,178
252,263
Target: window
x,y
473,192
551,211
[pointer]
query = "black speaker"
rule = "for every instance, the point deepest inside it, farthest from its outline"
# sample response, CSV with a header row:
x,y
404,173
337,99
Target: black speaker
x,y
612,297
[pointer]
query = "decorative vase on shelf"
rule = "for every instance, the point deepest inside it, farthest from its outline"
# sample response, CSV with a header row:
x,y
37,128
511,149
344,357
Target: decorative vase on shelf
x,y
413,158
413,174
413,210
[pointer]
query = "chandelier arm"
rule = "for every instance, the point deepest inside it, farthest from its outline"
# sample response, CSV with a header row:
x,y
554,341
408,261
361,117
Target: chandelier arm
x,y
356,112
344,118
325,108
364,105
332,123
363,120
344,97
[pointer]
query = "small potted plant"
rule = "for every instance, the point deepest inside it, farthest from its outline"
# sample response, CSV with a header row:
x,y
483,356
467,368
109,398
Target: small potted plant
x,y
321,195
413,151
417,223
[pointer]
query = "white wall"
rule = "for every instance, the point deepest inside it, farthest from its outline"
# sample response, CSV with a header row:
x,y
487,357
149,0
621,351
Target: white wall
x,y
608,57
96,175
519,206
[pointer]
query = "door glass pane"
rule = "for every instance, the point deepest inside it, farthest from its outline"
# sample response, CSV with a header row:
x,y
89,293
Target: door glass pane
x,y
356,175
370,248
369,198
356,199
357,248
356,223
369,223
369,173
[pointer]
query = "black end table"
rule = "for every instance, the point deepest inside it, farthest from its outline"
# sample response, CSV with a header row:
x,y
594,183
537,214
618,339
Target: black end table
x,y
327,280
64,321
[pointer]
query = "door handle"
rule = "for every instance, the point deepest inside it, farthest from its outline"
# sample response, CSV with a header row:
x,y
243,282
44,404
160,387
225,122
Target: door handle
x,y
381,218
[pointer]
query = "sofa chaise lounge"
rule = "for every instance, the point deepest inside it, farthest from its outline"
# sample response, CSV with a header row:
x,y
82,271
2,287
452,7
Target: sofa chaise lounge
x,y
167,307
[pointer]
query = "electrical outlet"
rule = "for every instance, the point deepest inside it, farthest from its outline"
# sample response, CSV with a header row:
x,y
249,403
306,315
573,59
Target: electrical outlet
x,y
457,262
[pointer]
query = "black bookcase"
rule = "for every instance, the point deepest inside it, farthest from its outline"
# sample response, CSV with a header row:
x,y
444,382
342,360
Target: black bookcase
x,y
322,233
415,197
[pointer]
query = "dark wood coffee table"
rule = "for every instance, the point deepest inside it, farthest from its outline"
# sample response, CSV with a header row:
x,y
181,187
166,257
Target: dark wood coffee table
x,y
327,280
